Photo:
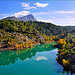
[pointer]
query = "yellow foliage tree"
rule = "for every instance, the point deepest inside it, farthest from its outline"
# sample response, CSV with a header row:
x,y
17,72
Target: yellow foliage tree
x,y
53,37
16,46
61,42
65,62
26,44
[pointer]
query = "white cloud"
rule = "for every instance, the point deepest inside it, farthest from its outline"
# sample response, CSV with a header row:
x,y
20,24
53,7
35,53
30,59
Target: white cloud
x,y
4,17
22,13
30,7
27,6
41,58
41,4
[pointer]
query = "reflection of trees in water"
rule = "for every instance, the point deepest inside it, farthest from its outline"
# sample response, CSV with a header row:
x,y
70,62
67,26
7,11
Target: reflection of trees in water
x,y
10,57
66,72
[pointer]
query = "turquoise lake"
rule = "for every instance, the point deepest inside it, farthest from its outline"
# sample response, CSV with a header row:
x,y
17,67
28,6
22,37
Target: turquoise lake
x,y
40,60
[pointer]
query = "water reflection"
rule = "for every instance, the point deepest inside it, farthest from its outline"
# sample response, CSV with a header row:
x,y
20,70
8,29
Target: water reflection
x,y
10,57
67,72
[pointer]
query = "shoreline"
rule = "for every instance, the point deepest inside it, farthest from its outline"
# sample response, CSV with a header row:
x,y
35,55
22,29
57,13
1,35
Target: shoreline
x,y
67,59
14,48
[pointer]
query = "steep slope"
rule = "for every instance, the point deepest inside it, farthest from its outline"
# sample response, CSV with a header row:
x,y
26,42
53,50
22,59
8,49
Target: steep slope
x,y
12,18
29,17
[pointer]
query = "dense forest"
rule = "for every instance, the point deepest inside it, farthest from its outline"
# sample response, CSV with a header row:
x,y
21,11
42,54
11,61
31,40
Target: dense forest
x,y
30,27
69,27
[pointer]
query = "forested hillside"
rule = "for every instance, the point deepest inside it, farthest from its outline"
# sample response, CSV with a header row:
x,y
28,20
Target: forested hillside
x,y
20,34
48,28
69,27
30,27
73,31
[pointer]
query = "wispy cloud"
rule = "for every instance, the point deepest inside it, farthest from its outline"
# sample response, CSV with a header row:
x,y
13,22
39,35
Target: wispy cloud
x,y
57,17
41,58
65,12
56,12
41,4
27,6
4,15
60,20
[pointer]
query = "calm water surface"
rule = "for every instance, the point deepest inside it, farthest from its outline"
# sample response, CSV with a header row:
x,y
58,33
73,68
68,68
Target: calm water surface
x,y
40,60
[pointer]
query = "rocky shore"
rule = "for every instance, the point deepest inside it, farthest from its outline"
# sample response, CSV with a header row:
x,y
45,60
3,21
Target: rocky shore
x,y
67,60
71,66
14,48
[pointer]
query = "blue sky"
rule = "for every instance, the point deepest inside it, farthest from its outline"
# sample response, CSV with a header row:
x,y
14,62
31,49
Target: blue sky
x,y
57,12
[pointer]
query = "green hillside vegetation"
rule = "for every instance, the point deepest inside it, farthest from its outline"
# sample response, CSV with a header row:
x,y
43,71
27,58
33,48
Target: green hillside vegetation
x,y
69,27
18,26
73,31
48,28
66,52
20,34
30,27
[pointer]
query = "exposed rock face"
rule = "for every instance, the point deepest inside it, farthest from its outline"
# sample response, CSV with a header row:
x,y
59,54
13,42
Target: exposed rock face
x,y
28,18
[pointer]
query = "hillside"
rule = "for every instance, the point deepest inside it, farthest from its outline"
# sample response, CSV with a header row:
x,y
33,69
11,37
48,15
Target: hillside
x,y
48,28
69,27
19,34
73,31
30,27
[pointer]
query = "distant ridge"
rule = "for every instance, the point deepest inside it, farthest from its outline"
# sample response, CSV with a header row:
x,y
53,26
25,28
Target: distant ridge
x,y
29,17
12,18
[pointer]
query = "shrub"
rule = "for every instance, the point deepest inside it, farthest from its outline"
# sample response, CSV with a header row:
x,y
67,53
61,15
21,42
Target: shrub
x,y
65,62
0,40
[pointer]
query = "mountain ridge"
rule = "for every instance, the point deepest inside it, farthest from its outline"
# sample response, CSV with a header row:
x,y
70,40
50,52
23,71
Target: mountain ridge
x,y
11,18
29,17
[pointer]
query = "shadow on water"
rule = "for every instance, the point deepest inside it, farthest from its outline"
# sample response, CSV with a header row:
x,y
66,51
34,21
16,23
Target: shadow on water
x,y
10,57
